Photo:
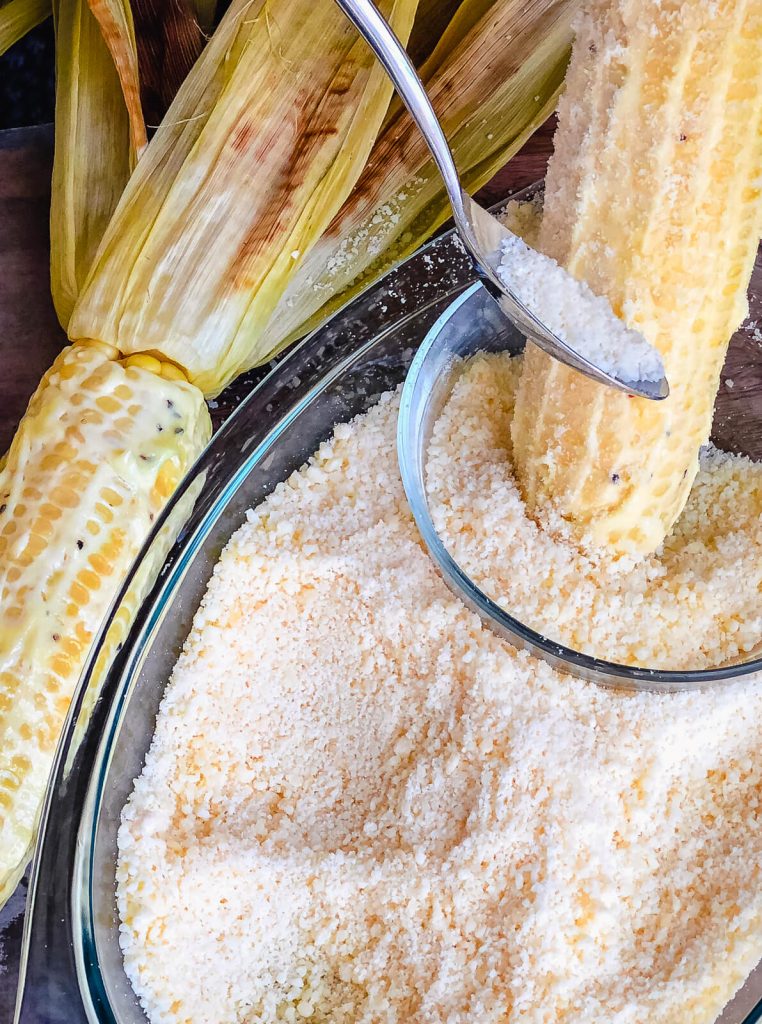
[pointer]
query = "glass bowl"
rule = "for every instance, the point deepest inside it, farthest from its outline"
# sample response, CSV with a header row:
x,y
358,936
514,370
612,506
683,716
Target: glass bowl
x,y
472,323
72,968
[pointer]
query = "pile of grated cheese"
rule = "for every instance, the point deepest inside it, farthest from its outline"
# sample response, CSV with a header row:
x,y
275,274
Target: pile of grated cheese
x,y
576,315
361,807
695,604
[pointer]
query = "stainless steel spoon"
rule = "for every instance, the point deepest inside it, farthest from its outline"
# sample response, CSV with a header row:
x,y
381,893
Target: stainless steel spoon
x,y
482,234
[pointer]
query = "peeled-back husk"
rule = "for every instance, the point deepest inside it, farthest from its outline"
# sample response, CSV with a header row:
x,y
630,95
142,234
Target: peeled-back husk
x,y
261,147
497,85
17,17
115,20
91,162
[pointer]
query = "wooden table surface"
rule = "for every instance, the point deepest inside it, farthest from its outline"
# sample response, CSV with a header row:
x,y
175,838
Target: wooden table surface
x,y
30,337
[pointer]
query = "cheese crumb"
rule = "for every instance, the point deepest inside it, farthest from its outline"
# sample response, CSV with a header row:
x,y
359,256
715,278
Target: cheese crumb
x,y
578,317
360,806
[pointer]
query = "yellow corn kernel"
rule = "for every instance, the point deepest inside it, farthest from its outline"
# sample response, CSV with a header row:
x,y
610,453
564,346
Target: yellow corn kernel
x,y
143,362
170,371
52,548
108,350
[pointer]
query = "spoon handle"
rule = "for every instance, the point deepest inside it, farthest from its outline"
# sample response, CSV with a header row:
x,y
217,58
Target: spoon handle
x,y
373,27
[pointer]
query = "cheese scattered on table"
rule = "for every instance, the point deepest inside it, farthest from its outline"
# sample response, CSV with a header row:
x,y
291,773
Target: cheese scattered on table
x,y
362,807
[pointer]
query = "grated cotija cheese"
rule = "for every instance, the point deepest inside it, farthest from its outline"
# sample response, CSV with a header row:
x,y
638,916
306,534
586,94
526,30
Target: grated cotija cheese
x,y
576,315
694,604
361,806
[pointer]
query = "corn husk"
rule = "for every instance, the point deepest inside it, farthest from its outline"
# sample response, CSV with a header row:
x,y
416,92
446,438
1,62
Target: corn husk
x,y
115,20
260,149
437,30
17,17
169,41
465,19
91,162
431,20
439,38
498,84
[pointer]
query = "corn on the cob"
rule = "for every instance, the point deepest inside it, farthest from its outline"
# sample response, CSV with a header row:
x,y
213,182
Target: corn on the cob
x,y
653,198
499,83
263,143
150,564
91,162
101,447
17,17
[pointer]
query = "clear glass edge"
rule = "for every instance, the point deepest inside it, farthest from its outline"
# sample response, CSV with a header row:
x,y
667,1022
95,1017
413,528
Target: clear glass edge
x,y
280,367
85,949
597,670
464,588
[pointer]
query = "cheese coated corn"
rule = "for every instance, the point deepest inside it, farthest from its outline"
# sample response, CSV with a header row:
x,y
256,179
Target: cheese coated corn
x,y
653,198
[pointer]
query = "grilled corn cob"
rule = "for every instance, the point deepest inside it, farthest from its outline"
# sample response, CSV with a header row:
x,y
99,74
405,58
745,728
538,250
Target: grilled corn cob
x,y
150,563
100,449
263,143
653,198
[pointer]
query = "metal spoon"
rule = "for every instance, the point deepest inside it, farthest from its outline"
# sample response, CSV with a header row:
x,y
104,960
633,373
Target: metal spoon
x,y
481,233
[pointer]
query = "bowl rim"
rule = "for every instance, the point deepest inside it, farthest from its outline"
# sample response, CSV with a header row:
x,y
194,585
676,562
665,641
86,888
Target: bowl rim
x,y
412,414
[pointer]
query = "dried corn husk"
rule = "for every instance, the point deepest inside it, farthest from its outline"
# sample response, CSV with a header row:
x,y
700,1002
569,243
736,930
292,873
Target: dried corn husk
x,y
169,41
498,84
115,20
263,144
464,20
431,19
91,162
17,17
439,27
98,138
